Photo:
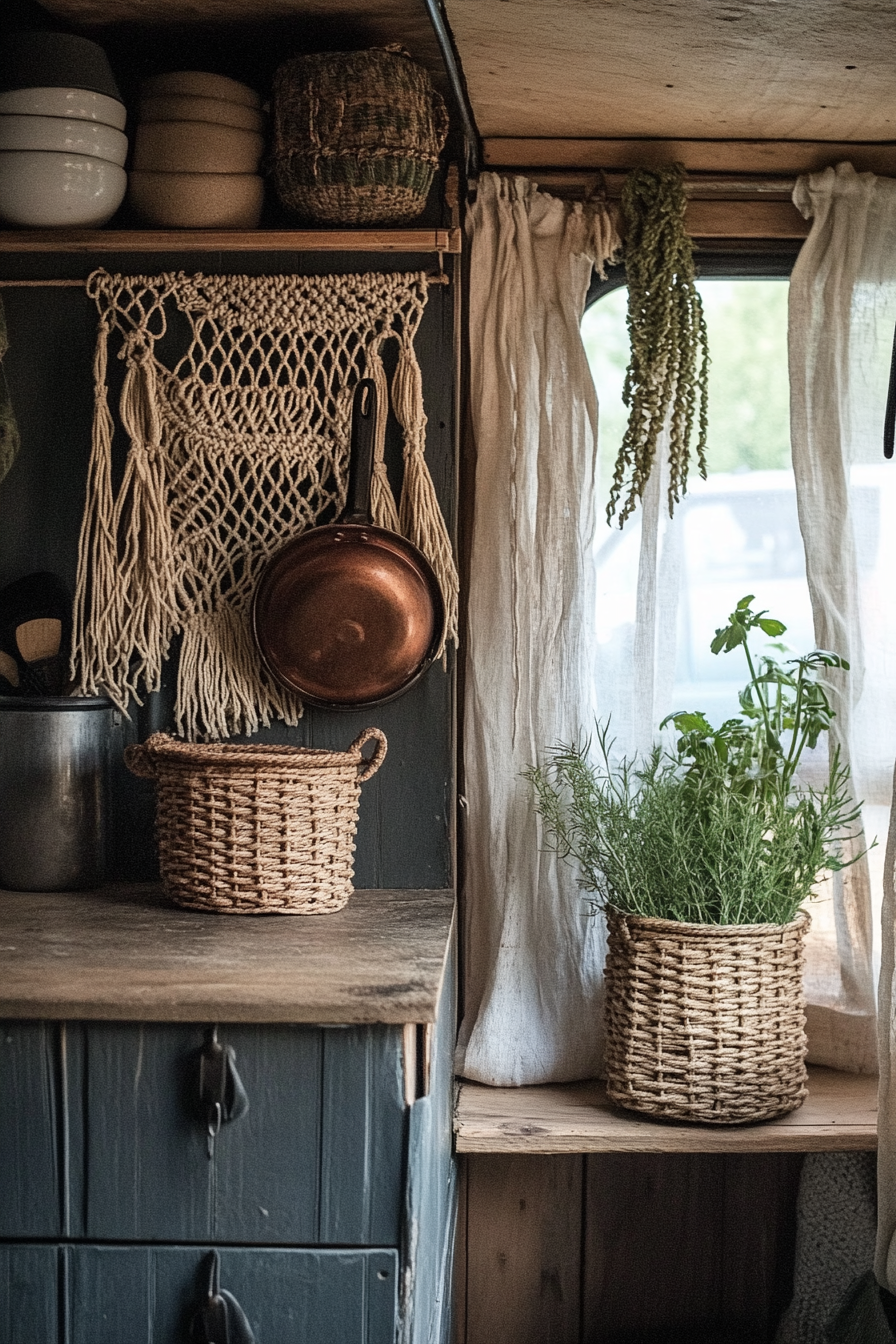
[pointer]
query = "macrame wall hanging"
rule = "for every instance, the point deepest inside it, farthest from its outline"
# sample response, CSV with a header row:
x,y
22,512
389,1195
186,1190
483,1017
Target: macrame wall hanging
x,y
238,446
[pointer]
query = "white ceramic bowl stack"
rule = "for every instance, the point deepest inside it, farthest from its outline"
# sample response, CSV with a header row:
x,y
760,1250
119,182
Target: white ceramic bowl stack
x,y
62,141
197,151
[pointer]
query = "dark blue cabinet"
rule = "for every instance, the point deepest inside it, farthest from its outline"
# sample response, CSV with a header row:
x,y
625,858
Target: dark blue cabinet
x,y
330,1202
29,1294
31,1131
318,1156
150,1294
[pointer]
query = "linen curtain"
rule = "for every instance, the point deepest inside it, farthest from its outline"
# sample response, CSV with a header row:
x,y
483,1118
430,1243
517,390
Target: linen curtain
x,y
842,313
533,956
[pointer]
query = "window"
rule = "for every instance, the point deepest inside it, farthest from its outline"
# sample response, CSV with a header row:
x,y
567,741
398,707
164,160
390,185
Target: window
x,y
735,533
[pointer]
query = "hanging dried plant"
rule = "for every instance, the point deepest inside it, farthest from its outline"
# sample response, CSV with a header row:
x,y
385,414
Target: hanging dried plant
x,y
669,363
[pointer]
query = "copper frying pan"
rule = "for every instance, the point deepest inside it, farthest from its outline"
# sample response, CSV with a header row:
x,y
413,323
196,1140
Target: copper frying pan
x,y
349,615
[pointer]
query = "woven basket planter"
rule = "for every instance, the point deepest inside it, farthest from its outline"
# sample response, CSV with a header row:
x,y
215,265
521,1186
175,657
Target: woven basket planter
x,y
254,830
705,1022
356,137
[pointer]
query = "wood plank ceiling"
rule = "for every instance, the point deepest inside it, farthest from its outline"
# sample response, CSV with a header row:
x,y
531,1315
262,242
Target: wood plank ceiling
x,y
681,69
687,69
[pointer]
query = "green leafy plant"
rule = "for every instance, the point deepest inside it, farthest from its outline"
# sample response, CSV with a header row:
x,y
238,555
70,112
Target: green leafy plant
x,y
720,831
668,369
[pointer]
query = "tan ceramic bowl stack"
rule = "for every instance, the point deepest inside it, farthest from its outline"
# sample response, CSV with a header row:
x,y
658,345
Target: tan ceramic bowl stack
x,y
197,151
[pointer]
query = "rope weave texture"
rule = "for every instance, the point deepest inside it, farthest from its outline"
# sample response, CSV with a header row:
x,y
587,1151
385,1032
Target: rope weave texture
x,y
705,1022
241,444
256,829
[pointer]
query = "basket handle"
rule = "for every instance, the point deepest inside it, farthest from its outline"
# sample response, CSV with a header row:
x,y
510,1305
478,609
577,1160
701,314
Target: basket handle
x,y
139,757
370,764
138,761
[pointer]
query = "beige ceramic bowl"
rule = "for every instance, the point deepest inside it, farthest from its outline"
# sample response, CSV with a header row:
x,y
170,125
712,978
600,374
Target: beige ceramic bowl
x,y
44,190
183,107
195,147
200,84
197,200
63,135
79,104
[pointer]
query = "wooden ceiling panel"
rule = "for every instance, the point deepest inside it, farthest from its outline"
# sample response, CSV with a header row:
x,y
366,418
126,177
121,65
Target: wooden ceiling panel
x,y
706,69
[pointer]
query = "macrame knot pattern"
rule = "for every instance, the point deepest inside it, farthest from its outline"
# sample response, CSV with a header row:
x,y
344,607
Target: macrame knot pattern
x,y
235,446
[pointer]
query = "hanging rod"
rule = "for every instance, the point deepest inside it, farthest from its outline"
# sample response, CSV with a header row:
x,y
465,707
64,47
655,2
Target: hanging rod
x,y
440,278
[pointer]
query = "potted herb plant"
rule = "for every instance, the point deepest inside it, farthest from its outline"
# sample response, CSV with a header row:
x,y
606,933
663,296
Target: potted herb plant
x,y
702,859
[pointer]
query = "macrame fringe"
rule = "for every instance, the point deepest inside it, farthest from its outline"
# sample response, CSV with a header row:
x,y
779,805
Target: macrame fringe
x,y
97,613
222,688
383,508
420,517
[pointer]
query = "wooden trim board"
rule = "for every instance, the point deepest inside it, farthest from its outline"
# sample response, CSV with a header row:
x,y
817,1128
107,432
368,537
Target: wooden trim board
x,y
839,1114
745,219
224,240
125,953
788,157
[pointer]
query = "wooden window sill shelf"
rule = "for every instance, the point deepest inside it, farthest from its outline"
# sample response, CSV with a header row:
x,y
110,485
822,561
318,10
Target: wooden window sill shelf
x,y
230,240
839,1114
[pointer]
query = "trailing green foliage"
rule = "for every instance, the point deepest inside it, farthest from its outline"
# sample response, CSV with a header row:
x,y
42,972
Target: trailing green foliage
x,y
720,832
668,368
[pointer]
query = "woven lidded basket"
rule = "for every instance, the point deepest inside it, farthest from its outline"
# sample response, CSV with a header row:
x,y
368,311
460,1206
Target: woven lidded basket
x,y
253,830
356,136
705,1022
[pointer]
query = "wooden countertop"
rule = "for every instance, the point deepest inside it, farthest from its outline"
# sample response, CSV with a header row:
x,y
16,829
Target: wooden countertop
x,y
839,1114
124,952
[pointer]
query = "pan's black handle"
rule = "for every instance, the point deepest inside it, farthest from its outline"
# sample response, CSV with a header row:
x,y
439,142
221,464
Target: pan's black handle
x,y
360,464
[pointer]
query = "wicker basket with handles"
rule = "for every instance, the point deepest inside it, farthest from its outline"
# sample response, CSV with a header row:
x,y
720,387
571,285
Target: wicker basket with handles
x,y
705,1022
356,136
256,829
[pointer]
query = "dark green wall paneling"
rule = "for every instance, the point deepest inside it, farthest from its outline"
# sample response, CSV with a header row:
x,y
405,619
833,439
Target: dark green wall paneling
x,y
404,836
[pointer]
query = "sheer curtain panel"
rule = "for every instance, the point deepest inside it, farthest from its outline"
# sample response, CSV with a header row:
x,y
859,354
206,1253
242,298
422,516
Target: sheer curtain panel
x,y
533,956
842,313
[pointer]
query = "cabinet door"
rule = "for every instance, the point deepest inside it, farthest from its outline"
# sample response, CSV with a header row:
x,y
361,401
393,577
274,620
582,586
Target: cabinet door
x,y
317,1157
150,1294
29,1294
30,1186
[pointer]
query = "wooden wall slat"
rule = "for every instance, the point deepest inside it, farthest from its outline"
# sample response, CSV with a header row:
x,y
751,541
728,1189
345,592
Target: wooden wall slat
x,y
652,1229
523,1250
624,1248
686,1249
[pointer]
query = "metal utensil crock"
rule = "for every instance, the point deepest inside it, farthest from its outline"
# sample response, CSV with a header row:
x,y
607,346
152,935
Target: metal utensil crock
x,y
54,755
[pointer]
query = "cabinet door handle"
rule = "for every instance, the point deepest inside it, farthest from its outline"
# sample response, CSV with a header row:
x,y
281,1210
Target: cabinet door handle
x,y
221,1319
222,1097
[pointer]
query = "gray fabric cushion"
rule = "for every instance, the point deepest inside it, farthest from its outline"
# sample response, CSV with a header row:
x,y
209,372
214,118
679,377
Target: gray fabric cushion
x,y
836,1230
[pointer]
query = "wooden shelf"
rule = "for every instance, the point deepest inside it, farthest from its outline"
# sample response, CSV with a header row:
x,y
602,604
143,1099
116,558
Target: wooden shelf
x,y
839,1114
224,240
125,952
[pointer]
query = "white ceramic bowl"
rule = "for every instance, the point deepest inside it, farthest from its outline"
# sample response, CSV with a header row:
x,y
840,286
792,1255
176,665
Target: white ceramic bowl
x,y
44,190
200,84
186,107
63,135
195,147
197,200
77,104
